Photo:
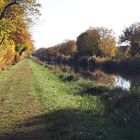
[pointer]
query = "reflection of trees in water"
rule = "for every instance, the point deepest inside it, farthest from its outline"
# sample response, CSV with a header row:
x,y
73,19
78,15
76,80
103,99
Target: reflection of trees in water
x,y
104,78
87,73
122,80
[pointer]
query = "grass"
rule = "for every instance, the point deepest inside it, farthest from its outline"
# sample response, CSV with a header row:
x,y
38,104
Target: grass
x,y
17,100
39,104
58,93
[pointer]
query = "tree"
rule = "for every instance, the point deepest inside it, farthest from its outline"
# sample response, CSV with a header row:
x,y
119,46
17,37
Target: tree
x,y
87,42
108,47
68,48
131,36
107,44
15,38
27,5
6,8
97,41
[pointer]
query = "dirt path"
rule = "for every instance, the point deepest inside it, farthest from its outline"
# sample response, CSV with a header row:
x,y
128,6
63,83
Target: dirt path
x,y
17,100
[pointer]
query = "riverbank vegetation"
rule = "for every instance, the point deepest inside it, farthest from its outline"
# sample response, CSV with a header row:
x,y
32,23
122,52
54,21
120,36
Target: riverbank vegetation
x,y
98,48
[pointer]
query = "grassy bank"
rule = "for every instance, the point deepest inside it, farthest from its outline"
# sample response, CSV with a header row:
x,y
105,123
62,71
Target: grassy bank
x,y
42,104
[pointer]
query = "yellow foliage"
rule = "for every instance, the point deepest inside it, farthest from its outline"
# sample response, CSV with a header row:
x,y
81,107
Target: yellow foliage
x,y
108,46
15,39
7,54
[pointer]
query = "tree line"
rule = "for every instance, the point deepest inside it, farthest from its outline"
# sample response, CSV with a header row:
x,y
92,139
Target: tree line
x,y
94,44
15,38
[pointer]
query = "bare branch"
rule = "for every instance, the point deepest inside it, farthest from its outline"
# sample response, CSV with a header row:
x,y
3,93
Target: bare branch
x,y
2,40
6,8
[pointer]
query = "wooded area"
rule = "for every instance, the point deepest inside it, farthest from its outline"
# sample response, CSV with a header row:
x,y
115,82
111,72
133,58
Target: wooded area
x,y
15,38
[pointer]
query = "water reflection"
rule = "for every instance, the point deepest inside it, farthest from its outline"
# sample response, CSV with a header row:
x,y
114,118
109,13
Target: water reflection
x,y
122,83
112,80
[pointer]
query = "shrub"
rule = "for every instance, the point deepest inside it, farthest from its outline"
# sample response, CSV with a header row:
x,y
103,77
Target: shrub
x,y
92,63
83,61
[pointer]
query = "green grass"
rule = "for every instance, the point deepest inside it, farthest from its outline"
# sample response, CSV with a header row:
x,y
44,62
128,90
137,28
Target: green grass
x,y
17,99
37,103
58,94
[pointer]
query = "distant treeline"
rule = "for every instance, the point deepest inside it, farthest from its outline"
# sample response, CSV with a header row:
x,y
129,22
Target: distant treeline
x,y
95,47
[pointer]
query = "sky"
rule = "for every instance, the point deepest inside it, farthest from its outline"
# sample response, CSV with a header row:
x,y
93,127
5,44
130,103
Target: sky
x,y
66,19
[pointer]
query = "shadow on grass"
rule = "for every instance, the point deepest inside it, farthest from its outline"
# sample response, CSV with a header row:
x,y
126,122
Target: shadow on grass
x,y
122,106
70,124
60,125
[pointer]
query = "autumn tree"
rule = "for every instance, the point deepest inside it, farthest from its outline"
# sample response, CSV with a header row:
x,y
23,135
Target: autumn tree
x,y
131,37
15,38
30,7
97,41
107,43
87,42
68,48
5,7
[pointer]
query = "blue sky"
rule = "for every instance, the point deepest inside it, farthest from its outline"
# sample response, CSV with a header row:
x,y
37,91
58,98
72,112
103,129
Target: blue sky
x,y
66,19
